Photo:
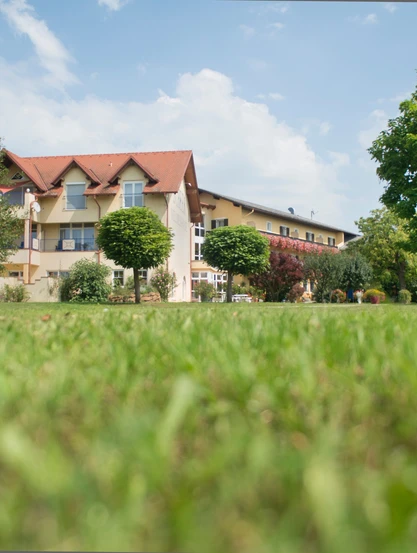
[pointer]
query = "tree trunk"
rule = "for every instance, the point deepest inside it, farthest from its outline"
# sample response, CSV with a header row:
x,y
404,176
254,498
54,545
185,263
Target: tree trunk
x,y
137,285
401,275
229,287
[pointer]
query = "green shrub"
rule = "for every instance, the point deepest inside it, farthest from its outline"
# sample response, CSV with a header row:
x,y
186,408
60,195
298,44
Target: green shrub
x,y
404,296
373,296
86,283
205,290
338,296
239,288
14,294
164,282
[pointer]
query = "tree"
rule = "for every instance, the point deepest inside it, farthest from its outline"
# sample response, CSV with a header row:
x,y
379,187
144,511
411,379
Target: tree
x,y
326,271
285,270
395,149
134,238
238,250
357,272
384,244
11,226
86,283
3,169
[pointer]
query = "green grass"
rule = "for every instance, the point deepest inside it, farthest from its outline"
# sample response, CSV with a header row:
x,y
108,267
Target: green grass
x,y
208,428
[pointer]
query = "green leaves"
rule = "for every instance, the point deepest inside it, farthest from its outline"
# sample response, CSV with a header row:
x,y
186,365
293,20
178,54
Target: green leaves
x,y
134,238
395,149
240,250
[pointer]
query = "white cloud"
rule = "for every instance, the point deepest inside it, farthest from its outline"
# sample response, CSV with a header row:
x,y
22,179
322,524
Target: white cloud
x,y
51,53
271,7
377,121
113,5
240,148
257,64
273,95
339,159
324,128
390,6
247,31
142,68
277,25
370,19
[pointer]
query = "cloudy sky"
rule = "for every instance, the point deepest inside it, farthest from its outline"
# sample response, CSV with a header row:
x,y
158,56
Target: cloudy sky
x,y
278,100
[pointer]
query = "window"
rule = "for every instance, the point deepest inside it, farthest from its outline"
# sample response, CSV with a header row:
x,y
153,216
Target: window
x,y
16,196
198,256
143,275
133,194
17,176
195,278
81,233
284,231
269,226
199,229
305,285
310,236
216,223
220,281
75,196
57,274
118,278
331,241
16,274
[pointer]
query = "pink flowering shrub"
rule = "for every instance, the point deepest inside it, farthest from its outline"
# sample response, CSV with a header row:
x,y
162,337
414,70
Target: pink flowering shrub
x,y
286,243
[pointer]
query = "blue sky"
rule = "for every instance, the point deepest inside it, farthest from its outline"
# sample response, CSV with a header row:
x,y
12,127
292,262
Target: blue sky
x,y
278,100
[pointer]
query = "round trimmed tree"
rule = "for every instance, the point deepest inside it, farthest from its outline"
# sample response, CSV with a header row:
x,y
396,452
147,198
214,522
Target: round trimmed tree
x,y
134,238
238,250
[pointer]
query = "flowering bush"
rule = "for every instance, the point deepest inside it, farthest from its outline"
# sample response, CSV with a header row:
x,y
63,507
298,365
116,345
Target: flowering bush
x,y
205,290
295,294
286,243
164,282
338,296
373,296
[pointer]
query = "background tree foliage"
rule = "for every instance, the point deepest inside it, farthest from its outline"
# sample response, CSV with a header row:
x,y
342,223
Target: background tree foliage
x,y
357,272
395,150
326,270
385,245
11,226
134,238
238,250
284,272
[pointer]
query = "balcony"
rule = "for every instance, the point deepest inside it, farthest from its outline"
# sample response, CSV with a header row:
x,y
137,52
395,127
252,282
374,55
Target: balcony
x,y
70,245
297,244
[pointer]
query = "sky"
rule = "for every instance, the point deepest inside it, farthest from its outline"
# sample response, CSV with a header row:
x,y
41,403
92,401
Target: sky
x,y
278,101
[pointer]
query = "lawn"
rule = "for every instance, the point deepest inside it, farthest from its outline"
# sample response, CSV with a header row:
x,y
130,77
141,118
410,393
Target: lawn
x,y
208,428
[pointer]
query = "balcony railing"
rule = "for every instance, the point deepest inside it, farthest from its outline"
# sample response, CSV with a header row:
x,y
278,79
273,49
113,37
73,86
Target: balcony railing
x,y
67,245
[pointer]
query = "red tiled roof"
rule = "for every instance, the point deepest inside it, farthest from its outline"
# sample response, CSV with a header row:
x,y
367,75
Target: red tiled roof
x,y
165,171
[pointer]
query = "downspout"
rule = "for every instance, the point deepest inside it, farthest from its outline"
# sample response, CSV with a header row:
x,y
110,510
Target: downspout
x,y
167,222
30,238
99,217
191,261
248,214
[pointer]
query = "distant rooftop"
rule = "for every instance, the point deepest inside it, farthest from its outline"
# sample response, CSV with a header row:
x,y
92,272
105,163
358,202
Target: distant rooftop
x,y
278,213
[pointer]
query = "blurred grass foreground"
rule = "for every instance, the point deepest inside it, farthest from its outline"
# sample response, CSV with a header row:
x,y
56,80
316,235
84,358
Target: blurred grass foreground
x,y
208,428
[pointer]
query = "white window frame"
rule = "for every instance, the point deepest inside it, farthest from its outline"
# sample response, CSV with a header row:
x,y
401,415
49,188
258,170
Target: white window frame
x,y
57,274
310,236
117,278
287,230
134,193
68,185
16,274
268,226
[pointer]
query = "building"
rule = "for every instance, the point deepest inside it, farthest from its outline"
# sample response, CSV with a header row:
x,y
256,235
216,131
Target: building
x,y
286,231
63,197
